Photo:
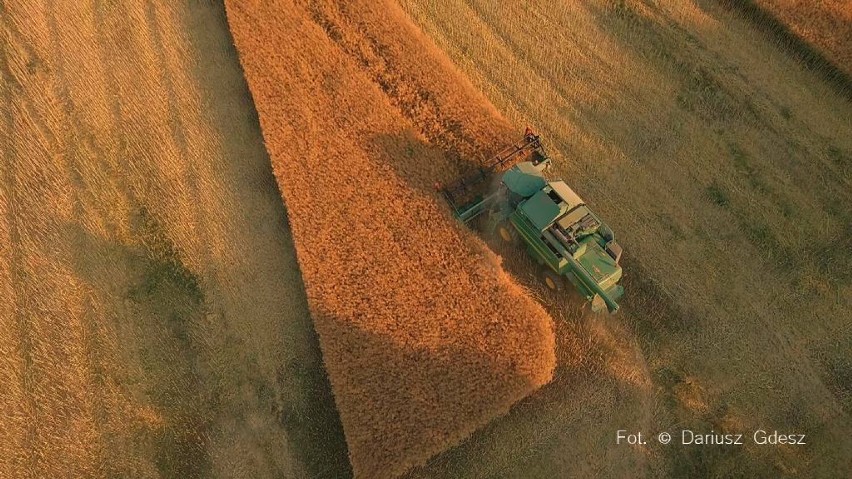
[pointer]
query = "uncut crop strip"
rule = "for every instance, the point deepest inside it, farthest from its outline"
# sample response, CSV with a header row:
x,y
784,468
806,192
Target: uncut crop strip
x,y
423,336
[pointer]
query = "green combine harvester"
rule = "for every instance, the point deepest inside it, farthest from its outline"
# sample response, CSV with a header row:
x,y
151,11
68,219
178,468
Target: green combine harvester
x,y
559,231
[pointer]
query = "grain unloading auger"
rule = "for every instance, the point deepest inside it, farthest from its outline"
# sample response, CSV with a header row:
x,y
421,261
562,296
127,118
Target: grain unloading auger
x,y
559,231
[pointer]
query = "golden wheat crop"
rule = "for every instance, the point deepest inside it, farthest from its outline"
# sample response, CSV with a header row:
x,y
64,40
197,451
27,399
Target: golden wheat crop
x,y
424,338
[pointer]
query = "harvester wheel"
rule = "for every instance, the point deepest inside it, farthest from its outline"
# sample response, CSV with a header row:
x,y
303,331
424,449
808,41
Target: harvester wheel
x,y
507,233
552,280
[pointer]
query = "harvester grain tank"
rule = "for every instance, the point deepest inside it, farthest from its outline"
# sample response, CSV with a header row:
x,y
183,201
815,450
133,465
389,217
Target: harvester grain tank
x,y
556,226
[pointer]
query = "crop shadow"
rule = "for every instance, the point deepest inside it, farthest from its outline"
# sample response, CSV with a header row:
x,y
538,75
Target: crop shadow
x,y
316,432
405,404
792,43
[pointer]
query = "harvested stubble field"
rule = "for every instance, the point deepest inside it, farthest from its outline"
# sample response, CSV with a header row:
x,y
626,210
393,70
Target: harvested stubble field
x,y
724,165
423,336
152,317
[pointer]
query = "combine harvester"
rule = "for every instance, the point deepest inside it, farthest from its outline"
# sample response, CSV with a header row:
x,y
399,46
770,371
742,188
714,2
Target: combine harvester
x,y
560,232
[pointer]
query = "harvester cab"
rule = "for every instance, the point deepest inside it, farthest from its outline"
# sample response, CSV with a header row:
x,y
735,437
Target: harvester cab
x,y
556,226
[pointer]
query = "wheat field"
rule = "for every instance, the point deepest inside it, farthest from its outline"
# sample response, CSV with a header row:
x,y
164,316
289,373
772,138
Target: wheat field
x,y
152,317
726,172
424,338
